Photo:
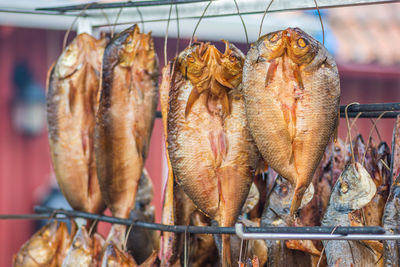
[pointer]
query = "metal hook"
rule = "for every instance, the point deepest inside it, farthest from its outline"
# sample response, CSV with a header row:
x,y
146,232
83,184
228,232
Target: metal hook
x,y
166,35
178,30
141,18
73,23
349,129
263,17
322,24
116,21
244,25
198,22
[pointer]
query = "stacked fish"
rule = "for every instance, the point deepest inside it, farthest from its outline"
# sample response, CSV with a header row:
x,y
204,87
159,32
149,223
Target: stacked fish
x,y
226,116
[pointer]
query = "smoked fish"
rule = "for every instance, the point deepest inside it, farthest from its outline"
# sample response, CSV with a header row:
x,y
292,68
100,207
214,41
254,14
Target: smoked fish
x,y
353,190
212,153
72,102
85,251
291,91
391,215
124,120
43,248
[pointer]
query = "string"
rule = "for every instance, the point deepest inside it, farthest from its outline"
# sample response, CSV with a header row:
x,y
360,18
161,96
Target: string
x,y
349,129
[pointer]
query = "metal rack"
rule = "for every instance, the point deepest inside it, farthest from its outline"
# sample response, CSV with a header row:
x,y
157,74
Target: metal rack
x,y
157,11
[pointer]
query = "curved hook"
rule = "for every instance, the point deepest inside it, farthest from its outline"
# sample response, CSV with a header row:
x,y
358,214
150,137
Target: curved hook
x,y
178,30
73,23
322,24
166,36
263,17
116,21
244,25
141,18
349,129
198,22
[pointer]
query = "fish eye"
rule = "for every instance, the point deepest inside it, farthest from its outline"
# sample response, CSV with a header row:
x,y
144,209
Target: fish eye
x,y
190,58
344,187
274,38
232,57
301,42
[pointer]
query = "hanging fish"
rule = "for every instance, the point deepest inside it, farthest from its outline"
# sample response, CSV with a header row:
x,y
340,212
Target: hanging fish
x,y
353,190
72,101
391,215
85,251
212,154
291,91
125,120
277,213
42,249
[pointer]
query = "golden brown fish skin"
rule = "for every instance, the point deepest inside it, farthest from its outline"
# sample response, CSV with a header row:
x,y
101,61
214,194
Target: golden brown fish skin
x,y
125,118
81,251
212,153
72,101
291,91
41,249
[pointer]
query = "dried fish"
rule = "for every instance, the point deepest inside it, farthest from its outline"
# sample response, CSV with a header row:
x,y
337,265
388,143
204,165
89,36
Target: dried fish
x,y
353,190
125,120
212,153
291,91
72,102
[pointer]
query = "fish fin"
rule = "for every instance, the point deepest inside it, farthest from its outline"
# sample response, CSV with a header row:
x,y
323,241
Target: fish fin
x,y
336,131
194,95
225,103
297,197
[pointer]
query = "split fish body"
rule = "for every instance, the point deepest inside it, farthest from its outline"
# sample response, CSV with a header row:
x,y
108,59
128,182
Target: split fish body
x,y
212,154
353,190
72,101
291,91
125,119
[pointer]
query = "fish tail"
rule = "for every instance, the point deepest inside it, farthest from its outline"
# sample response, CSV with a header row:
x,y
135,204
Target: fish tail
x,y
297,197
226,260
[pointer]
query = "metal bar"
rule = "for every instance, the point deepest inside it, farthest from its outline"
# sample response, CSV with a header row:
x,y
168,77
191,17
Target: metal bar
x,y
212,229
25,216
34,12
371,107
279,6
310,236
388,115
119,5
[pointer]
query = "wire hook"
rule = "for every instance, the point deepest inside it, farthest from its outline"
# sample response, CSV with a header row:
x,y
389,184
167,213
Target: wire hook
x,y
263,17
198,22
322,24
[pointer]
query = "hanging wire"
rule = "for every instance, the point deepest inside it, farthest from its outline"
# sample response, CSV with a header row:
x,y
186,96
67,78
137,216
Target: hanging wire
x,y
166,36
73,23
244,25
141,17
263,17
369,137
115,23
178,30
322,24
108,21
198,22
349,129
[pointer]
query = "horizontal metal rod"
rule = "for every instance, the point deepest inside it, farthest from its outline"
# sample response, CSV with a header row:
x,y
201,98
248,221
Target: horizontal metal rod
x,y
371,107
310,236
25,216
119,5
387,115
213,229
34,12
169,2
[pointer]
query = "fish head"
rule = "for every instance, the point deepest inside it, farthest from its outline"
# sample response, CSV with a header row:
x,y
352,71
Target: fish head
x,y
115,257
41,247
229,73
192,64
301,47
136,49
353,190
271,45
81,247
